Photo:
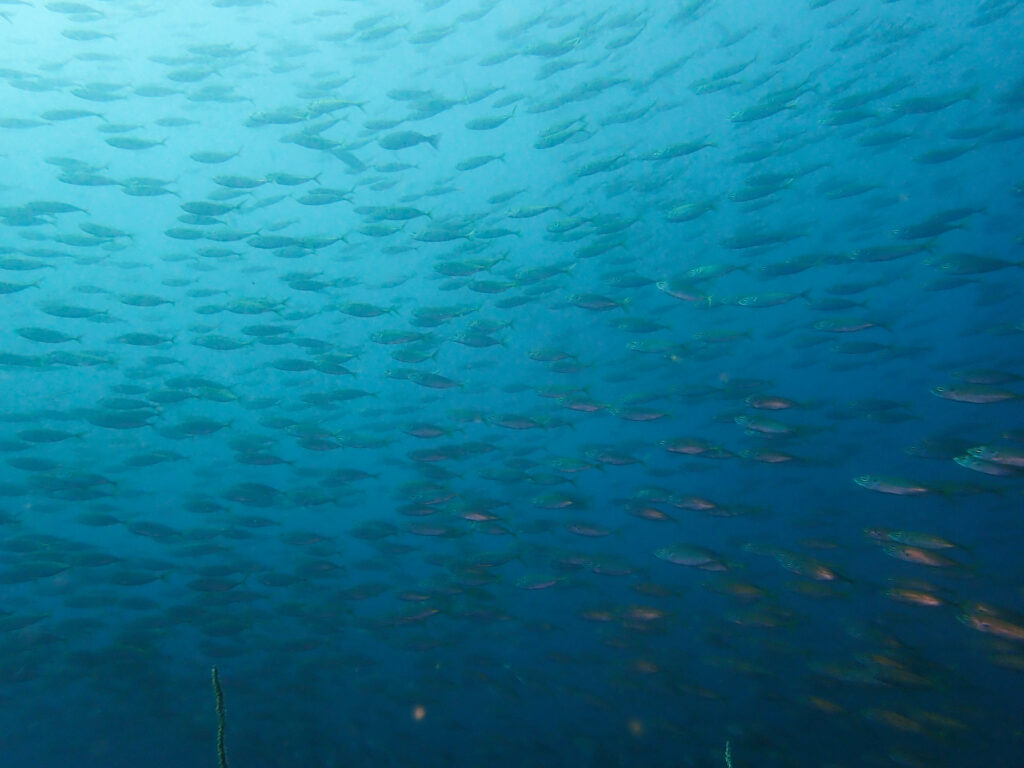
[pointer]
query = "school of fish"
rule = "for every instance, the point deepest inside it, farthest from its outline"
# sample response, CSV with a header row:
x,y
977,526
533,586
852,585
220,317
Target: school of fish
x,y
512,383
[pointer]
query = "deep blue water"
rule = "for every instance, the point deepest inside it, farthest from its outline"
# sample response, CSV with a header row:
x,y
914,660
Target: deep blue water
x,y
512,383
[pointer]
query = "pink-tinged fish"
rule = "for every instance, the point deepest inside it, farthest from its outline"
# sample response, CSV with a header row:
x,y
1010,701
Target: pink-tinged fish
x,y
914,597
683,290
986,467
696,503
478,516
1008,455
986,619
557,501
806,567
809,568
918,556
975,393
910,538
768,457
894,720
534,581
896,486
691,556
425,431
582,404
770,402
691,446
647,512
515,421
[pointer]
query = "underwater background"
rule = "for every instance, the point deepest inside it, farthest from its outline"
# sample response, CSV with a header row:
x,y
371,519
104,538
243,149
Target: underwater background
x,y
512,383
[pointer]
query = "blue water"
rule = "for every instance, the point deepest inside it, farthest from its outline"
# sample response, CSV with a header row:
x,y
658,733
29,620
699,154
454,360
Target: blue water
x,y
512,383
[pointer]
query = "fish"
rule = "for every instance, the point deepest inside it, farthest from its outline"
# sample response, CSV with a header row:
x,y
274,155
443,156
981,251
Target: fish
x,y
405,139
664,409
896,486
